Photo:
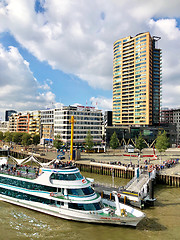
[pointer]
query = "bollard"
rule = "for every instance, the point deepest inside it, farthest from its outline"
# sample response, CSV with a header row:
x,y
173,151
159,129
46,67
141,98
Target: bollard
x,y
151,189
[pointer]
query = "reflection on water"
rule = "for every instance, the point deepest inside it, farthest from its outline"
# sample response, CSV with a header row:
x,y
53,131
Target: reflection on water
x,y
162,221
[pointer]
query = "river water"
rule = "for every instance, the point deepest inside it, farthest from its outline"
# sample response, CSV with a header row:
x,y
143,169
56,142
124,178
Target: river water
x,y
162,221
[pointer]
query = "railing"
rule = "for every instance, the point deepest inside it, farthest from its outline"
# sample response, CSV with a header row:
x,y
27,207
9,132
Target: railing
x,y
18,173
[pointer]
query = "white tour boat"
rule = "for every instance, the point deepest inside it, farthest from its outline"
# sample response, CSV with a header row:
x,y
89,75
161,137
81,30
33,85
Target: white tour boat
x,y
63,193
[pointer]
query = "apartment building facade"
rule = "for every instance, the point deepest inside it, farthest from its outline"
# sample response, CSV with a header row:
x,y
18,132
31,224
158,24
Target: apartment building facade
x,y
47,126
28,122
136,81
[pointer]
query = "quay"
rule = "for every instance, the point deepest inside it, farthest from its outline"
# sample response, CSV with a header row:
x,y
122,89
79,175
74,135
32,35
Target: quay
x,y
169,176
139,191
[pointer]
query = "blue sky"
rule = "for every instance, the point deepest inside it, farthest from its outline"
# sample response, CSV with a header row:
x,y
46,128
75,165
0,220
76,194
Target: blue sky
x,y
55,52
68,88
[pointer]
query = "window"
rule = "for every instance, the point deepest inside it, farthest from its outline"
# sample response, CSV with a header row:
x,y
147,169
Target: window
x,y
81,192
29,197
67,177
86,207
25,184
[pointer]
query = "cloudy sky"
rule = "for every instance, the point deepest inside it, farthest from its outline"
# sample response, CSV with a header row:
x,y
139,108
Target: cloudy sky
x,y
56,52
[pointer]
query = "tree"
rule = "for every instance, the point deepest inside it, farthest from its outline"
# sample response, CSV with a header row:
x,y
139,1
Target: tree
x,y
8,137
57,142
114,142
26,139
139,142
36,139
1,136
89,141
17,137
162,142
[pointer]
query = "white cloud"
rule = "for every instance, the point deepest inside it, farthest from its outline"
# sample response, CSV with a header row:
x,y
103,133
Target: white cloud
x,y
19,88
170,44
102,103
77,36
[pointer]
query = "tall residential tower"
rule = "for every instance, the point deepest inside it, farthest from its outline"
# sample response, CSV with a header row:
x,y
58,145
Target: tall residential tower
x,y
136,80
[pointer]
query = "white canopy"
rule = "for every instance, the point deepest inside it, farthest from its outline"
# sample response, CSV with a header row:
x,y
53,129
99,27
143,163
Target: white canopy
x,y
3,160
31,158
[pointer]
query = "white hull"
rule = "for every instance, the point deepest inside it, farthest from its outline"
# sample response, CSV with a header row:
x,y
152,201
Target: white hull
x,y
70,214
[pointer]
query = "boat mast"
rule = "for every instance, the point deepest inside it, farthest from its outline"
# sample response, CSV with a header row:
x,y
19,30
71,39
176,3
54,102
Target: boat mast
x,y
72,134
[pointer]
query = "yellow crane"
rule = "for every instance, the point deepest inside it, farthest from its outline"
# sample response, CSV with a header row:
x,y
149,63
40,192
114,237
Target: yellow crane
x,y
72,134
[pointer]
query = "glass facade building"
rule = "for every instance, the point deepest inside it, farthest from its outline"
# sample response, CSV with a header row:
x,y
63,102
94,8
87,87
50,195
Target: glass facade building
x,y
136,80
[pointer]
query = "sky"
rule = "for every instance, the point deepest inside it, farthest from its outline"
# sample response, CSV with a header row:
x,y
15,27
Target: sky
x,y
60,52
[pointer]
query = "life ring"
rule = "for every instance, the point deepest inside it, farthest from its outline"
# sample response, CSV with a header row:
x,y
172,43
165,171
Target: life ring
x,y
84,181
119,195
51,194
150,168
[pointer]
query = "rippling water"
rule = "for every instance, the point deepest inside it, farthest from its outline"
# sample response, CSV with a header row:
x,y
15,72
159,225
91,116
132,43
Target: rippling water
x,y
162,222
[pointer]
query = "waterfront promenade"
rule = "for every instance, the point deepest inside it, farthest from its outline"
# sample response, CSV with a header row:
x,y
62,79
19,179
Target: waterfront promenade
x,y
117,156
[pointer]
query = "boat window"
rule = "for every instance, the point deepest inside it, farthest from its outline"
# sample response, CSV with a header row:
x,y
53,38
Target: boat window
x,y
80,191
66,177
25,196
86,207
59,203
27,185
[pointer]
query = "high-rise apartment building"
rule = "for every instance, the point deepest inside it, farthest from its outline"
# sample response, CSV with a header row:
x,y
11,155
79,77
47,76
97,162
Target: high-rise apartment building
x,y
136,80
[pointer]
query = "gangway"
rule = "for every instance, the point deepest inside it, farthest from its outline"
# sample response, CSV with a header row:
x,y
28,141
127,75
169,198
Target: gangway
x,y
138,192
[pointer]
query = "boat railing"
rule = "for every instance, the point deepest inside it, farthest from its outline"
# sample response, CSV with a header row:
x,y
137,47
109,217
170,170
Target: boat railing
x,y
108,185
18,173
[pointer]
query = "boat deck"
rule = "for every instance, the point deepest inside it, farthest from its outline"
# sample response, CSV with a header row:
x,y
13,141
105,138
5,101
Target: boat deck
x,y
20,172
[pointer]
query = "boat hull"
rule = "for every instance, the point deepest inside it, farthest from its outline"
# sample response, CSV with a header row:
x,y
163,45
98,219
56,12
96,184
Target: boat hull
x,y
68,214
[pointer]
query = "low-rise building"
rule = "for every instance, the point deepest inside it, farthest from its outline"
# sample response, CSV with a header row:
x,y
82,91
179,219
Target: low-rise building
x,y
4,126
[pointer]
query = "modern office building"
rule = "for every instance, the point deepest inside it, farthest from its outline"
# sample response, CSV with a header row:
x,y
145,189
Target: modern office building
x,y
127,134
136,81
172,116
167,116
8,113
86,118
176,120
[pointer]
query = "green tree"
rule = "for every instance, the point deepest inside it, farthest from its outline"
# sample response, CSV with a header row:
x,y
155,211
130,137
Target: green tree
x,y
1,136
89,141
26,139
57,142
162,142
139,143
17,137
114,142
8,137
36,139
